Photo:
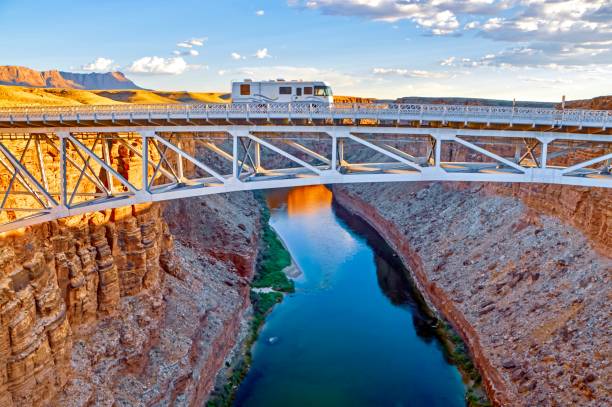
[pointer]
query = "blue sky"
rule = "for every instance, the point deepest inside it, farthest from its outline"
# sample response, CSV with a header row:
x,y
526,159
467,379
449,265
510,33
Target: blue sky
x,y
528,49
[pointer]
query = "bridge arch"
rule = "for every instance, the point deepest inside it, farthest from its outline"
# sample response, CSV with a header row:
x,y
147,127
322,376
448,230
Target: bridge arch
x,y
56,163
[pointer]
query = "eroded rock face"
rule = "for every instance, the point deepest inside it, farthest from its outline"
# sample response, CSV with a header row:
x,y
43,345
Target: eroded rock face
x,y
58,280
107,309
527,291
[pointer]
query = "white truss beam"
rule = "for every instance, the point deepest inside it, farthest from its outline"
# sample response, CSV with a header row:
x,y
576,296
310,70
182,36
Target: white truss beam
x,y
383,151
283,153
100,162
586,163
488,153
23,172
189,158
307,151
401,169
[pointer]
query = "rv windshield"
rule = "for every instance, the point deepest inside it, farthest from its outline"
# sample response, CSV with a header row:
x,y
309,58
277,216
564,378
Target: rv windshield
x,y
322,91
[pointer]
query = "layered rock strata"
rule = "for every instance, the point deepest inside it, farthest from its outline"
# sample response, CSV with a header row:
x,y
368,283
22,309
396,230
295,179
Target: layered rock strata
x,y
527,291
105,310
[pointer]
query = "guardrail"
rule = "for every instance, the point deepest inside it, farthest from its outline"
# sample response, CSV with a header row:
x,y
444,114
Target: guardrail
x,y
427,112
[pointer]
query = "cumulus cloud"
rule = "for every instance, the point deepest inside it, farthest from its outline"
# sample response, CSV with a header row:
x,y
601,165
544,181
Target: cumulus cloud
x,y
262,54
417,74
260,13
159,66
237,57
563,32
99,65
439,17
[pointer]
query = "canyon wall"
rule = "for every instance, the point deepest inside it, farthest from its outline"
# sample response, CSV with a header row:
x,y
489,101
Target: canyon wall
x,y
60,279
527,291
109,309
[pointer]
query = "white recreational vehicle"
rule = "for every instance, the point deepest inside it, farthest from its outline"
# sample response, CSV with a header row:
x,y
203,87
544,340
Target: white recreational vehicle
x,y
281,91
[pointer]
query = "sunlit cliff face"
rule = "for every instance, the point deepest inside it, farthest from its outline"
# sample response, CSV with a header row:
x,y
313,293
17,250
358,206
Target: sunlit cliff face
x,y
302,200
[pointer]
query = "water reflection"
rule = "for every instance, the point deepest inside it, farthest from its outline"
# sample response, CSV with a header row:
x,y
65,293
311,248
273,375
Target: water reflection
x,y
301,201
391,275
352,334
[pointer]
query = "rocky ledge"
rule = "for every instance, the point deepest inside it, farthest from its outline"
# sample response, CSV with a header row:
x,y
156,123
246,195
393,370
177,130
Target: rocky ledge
x,y
527,292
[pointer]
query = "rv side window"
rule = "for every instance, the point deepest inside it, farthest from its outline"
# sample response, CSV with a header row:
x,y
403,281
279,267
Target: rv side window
x,y
308,90
298,91
245,90
284,90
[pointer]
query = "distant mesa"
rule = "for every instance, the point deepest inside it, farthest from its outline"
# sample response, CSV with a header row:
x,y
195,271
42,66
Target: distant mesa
x,y
597,103
421,100
22,76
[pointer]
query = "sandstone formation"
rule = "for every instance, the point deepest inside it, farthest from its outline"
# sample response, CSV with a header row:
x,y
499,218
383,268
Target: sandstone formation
x,y
59,280
528,292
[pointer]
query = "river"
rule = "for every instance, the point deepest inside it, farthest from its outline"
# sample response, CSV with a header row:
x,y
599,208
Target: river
x,y
352,333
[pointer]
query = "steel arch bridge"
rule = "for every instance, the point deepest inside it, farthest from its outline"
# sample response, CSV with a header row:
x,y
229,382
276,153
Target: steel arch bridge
x,y
63,161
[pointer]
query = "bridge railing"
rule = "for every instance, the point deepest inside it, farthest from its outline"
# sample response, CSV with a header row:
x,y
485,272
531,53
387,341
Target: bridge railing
x,y
433,112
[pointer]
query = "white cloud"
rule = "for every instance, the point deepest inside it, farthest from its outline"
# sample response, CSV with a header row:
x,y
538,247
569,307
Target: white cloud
x,y
262,54
194,42
197,42
417,74
188,52
99,65
159,66
439,17
557,31
260,13
237,57
450,61
471,25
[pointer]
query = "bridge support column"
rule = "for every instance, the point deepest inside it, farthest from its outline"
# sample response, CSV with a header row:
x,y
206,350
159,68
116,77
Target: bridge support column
x,y
544,157
107,159
179,162
340,150
62,136
257,158
145,136
438,151
334,153
234,156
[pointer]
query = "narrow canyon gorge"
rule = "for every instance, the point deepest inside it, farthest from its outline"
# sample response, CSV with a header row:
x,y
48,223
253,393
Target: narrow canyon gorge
x,y
522,272
144,305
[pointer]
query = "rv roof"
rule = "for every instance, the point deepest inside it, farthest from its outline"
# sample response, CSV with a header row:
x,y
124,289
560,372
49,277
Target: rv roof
x,y
282,81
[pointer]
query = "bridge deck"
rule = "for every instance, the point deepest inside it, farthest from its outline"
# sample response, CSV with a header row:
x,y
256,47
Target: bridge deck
x,y
409,115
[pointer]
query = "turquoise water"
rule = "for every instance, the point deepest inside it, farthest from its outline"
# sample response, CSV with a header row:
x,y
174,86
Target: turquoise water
x,y
352,334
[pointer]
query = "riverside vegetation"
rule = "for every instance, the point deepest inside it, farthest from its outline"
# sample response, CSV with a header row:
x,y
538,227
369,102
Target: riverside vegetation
x,y
272,260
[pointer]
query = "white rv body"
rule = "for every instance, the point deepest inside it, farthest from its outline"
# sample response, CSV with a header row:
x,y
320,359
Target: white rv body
x,y
281,91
